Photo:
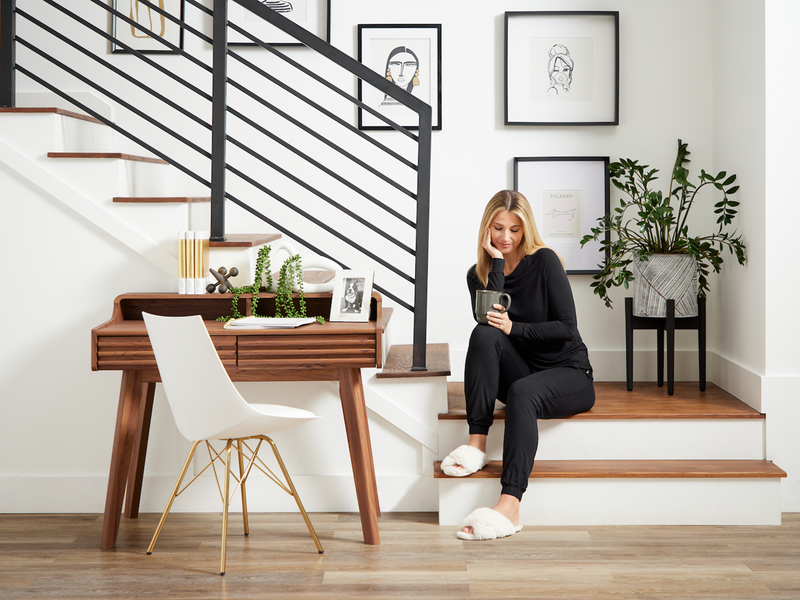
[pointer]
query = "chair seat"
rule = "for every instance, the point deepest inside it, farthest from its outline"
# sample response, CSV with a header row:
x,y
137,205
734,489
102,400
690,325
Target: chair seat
x,y
265,418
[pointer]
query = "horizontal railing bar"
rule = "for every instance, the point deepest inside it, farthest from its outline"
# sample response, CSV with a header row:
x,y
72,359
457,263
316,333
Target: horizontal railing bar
x,y
113,125
310,246
323,110
327,84
321,167
321,138
182,24
389,294
340,58
115,98
320,194
133,51
116,70
318,222
199,6
160,40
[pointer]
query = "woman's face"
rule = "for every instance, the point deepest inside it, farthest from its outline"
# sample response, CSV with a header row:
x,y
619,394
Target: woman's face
x,y
506,230
561,72
402,66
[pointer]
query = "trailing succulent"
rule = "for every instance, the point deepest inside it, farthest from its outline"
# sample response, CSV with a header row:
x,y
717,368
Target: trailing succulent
x,y
659,227
291,272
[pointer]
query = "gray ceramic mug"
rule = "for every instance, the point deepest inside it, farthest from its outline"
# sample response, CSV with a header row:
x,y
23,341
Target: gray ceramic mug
x,y
484,301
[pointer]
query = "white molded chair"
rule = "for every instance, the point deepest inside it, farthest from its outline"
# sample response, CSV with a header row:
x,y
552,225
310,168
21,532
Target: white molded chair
x,y
207,406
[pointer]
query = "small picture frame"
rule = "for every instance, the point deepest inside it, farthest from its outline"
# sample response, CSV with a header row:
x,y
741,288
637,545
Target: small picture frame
x,y
411,57
567,194
151,20
562,68
314,15
352,296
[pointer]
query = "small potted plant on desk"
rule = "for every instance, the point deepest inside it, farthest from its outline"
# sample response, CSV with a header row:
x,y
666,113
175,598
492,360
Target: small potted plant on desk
x,y
651,244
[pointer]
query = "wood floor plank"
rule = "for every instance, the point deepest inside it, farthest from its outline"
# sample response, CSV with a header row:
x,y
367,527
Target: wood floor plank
x,y
58,556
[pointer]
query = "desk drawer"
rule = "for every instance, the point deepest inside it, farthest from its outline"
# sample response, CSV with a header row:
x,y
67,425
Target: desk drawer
x,y
135,352
307,351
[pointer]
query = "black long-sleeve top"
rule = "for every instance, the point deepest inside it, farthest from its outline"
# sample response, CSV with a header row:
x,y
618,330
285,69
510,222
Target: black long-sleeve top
x,y
544,325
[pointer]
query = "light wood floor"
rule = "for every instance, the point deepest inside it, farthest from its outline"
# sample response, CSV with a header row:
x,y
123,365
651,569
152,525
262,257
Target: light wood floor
x,y
58,556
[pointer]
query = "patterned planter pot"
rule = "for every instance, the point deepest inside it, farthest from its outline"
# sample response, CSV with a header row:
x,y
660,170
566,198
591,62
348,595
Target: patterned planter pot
x,y
663,277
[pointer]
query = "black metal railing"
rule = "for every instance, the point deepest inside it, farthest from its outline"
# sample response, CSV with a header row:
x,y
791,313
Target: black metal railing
x,y
268,131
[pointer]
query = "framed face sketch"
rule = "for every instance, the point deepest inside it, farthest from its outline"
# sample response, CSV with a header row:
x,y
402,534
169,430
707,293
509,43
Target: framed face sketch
x,y
410,56
567,196
151,20
313,15
562,68
352,296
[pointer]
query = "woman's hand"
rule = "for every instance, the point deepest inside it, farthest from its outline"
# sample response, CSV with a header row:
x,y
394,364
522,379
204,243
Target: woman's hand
x,y
499,319
487,244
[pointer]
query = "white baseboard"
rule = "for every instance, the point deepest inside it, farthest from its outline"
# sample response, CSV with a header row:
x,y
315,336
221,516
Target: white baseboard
x,y
402,493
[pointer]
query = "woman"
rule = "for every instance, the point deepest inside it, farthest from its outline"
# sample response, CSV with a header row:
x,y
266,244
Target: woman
x,y
531,358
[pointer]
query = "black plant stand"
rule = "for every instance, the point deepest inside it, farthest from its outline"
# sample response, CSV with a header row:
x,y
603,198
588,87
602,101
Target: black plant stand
x,y
666,324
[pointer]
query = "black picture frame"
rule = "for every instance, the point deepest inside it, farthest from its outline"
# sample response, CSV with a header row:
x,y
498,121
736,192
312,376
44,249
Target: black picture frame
x,y
567,194
377,44
316,18
545,83
155,22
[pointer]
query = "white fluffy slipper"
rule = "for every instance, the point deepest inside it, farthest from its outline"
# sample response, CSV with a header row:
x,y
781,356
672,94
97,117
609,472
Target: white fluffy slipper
x,y
487,524
463,461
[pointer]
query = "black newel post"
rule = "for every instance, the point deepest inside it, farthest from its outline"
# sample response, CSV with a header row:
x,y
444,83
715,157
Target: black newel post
x,y
419,359
7,52
218,113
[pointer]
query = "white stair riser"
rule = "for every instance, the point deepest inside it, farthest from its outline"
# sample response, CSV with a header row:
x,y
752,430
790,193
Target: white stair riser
x,y
640,501
34,134
601,439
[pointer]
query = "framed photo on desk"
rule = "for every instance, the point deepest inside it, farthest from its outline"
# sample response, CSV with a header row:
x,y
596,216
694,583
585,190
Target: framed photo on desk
x,y
352,292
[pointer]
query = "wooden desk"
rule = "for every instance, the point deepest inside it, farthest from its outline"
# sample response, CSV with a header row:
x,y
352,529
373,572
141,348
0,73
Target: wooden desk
x,y
328,352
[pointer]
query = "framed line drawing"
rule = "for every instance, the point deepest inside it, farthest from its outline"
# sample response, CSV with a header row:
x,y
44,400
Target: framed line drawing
x,y
151,20
410,56
352,296
562,68
567,195
313,15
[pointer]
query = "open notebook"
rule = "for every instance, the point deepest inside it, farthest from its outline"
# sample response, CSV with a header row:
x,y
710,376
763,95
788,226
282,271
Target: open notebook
x,y
268,323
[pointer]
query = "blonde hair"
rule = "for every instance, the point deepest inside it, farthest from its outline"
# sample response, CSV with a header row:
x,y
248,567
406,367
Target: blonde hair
x,y
531,241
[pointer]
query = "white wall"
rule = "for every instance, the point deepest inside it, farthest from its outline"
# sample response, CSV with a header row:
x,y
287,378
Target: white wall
x,y
670,89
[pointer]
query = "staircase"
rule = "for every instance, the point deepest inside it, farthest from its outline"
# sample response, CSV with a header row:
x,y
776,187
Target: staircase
x,y
636,458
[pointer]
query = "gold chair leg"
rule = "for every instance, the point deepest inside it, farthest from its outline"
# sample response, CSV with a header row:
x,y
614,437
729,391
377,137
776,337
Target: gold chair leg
x,y
295,495
225,503
172,497
244,491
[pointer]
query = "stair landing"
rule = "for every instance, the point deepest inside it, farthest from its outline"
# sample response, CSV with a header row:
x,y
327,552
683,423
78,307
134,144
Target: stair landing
x,y
646,401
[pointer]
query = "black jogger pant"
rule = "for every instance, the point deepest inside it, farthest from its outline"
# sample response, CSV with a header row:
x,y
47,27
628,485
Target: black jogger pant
x,y
495,370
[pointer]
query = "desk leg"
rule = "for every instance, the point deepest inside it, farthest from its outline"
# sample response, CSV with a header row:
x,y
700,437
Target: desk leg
x,y
136,474
354,409
128,411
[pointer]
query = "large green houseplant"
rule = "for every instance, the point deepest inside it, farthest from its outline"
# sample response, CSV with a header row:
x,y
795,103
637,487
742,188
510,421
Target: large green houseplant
x,y
649,222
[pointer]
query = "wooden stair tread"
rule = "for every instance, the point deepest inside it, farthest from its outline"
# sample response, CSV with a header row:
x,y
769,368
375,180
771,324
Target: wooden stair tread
x,y
646,401
632,469
50,109
160,200
245,240
117,155
400,359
